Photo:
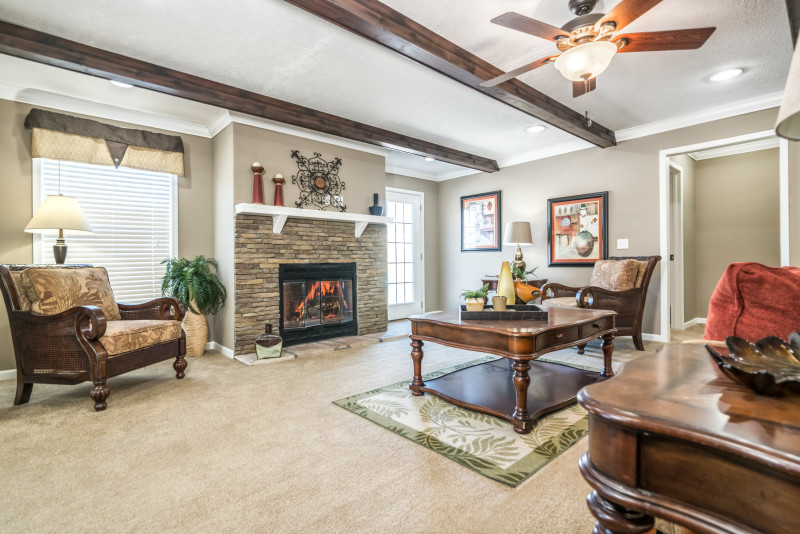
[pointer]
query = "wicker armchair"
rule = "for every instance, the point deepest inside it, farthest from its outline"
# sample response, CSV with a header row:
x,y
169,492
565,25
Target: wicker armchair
x,y
629,303
80,343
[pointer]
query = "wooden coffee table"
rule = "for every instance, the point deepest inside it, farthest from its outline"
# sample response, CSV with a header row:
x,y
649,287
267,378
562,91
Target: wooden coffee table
x,y
502,388
674,438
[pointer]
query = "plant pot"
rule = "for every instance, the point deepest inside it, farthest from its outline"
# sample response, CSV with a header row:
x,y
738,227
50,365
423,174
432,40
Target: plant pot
x,y
475,304
196,328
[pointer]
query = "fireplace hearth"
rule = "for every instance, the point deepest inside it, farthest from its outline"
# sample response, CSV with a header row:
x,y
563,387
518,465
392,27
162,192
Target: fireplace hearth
x,y
317,301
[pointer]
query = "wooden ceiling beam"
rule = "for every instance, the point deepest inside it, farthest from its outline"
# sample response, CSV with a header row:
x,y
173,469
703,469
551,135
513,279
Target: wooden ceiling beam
x,y
380,23
51,50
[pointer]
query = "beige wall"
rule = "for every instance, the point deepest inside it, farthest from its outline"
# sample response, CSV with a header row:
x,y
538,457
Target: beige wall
x,y
195,227
689,259
737,216
629,171
223,171
431,226
794,203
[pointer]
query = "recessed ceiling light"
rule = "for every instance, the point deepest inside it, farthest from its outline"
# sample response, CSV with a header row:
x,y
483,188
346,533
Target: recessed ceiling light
x,y
536,129
726,75
429,159
121,84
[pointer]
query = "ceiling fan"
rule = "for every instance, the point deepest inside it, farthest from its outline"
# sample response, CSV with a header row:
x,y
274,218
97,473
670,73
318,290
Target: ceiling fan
x,y
588,42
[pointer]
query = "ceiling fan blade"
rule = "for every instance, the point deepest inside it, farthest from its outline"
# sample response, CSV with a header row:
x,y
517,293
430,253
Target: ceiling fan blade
x,y
627,11
516,72
579,88
524,24
667,40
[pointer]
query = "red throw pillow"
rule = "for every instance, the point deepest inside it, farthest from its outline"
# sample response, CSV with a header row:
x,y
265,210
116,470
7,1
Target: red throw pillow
x,y
753,301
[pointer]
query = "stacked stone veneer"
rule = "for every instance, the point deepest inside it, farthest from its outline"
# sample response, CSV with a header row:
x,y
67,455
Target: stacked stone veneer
x,y
259,252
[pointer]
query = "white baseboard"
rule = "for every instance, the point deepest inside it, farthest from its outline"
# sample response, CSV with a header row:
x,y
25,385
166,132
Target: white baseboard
x,y
225,351
9,374
696,320
654,337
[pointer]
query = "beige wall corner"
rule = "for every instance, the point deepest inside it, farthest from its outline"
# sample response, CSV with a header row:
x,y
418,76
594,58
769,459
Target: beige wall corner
x,y
222,324
431,237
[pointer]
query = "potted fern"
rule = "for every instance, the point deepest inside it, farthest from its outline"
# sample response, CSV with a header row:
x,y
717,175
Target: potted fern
x,y
195,284
476,298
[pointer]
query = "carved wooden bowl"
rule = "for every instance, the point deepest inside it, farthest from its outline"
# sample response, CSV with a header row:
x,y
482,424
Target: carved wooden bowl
x,y
770,366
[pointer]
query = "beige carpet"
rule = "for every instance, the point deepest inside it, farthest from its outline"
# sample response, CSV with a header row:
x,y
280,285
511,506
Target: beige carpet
x,y
258,449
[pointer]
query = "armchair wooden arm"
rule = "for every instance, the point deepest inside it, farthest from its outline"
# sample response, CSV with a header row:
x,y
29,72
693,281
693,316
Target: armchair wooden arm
x,y
604,299
553,290
164,308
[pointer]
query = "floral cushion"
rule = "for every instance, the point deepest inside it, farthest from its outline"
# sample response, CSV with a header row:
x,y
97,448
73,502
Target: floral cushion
x,y
126,336
561,302
22,291
614,275
57,290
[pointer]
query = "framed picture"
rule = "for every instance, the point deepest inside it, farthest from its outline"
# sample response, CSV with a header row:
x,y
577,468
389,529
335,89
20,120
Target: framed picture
x,y
480,222
577,230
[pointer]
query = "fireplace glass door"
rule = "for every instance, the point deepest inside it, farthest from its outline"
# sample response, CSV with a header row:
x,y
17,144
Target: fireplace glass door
x,y
311,303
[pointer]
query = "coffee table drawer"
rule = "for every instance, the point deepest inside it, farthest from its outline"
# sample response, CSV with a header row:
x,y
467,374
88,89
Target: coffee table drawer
x,y
551,339
590,329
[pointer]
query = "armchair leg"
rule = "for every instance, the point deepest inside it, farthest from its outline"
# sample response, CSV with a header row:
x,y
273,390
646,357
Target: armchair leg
x,y
581,348
23,392
99,394
637,341
179,366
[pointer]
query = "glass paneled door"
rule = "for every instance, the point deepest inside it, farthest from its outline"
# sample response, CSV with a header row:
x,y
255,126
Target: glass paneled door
x,y
404,253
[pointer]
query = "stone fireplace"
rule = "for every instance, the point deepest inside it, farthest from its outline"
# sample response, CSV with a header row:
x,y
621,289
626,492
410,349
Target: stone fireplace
x,y
349,259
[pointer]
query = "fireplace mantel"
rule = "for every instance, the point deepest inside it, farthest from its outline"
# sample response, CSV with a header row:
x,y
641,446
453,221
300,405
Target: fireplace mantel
x,y
279,215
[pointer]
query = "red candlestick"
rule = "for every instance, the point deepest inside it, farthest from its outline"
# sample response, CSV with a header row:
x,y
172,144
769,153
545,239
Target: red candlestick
x,y
258,192
278,181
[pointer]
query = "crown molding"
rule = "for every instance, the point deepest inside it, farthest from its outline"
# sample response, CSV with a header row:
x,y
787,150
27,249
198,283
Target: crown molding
x,y
36,97
707,115
274,126
761,144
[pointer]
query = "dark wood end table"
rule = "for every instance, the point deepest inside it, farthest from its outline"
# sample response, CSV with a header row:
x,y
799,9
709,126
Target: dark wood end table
x,y
672,437
502,388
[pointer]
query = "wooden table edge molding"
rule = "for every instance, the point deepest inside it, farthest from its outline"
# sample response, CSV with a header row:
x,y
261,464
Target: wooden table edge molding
x,y
676,439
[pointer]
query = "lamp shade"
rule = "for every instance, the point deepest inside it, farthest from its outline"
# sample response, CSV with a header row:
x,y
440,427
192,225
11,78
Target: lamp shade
x,y
58,212
788,125
517,233
585,61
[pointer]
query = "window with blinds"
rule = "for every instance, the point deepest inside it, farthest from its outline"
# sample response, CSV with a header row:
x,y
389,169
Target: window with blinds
x,y
134,217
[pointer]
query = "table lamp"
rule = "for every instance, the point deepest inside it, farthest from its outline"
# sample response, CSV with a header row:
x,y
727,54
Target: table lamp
x,y
519,233
59,214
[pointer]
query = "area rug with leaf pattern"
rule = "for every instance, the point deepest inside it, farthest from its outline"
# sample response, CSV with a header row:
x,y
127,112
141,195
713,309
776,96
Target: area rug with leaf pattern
x,y
483,443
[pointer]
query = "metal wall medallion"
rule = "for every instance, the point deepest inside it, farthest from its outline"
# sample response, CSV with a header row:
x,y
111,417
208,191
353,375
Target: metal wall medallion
x,y
318,181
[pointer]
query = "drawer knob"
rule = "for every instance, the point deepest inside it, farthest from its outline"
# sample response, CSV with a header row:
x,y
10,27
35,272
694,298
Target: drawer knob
x,y
596,325
559,336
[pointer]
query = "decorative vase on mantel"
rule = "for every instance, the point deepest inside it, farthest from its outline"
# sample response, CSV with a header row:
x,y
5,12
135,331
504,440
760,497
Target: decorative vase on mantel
x,y
375,209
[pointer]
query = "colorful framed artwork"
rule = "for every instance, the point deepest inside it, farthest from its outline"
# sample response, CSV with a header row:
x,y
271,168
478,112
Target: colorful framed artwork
x,y
480,222
577,230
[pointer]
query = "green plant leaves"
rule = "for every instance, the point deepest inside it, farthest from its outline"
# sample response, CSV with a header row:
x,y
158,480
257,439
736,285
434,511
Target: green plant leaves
x,y
194,282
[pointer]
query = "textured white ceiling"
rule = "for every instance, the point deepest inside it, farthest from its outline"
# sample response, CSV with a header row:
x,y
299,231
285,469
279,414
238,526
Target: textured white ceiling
x,y
271,47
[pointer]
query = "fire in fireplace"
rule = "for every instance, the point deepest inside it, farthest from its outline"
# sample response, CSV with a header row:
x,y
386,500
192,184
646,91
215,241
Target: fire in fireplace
x,y
317,301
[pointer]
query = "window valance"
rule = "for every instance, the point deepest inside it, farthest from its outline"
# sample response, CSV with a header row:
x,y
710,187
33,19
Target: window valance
x,y
64,137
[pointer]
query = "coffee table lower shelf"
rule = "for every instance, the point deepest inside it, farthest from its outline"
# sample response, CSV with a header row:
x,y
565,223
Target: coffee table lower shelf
x,y
489,388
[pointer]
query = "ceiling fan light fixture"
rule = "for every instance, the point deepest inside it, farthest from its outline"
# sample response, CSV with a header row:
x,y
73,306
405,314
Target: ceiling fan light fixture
x,y
723,75
585,61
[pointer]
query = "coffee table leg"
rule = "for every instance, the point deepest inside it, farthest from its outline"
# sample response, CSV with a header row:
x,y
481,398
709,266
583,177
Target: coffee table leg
x,y
521,382
608,350
613,518
416,355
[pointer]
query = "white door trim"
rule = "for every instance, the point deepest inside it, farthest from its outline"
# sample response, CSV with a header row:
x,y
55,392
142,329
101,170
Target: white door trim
x,y
677,265
664,223
421,270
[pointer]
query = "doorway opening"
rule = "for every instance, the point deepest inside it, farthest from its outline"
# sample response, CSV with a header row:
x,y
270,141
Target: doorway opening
x,y
721,202
406,275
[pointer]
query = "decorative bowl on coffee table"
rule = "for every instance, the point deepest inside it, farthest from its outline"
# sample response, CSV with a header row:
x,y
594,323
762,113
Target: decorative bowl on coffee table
x,y
769,366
